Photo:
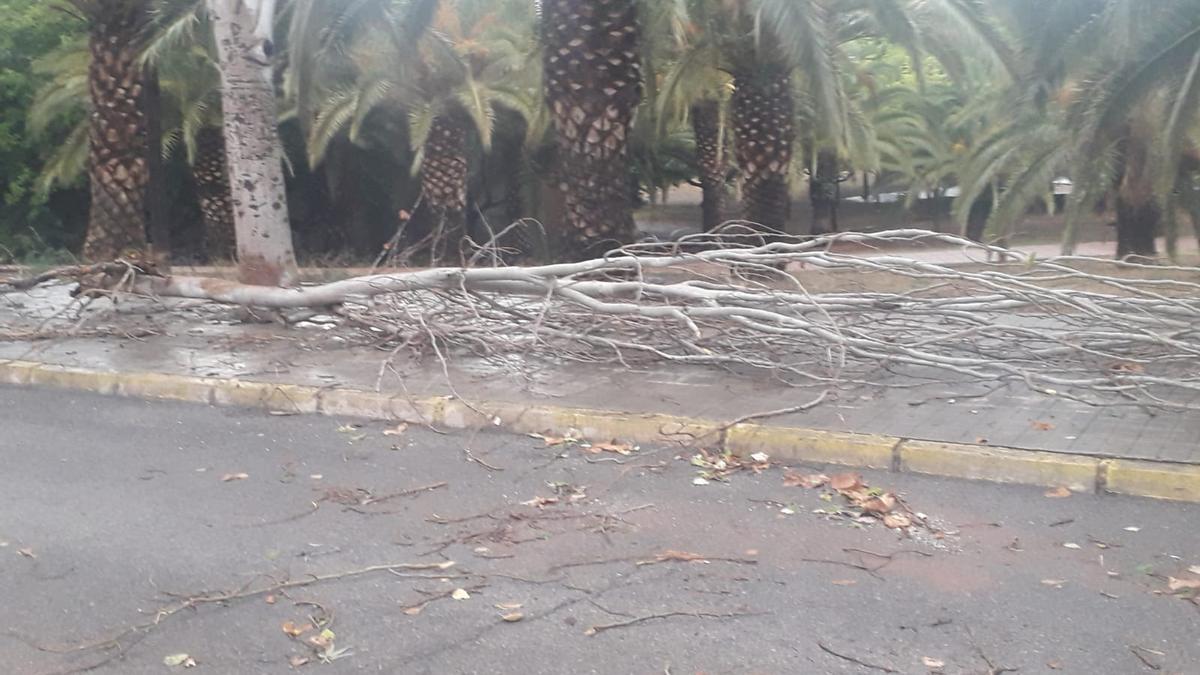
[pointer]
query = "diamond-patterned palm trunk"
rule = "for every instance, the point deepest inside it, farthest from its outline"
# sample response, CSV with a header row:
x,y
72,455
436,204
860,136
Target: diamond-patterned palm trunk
x,y
441,216
764,126
593,85
212,188
117,161
710,158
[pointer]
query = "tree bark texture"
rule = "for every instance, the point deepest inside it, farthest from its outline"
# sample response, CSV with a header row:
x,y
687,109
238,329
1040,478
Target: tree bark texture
x,y
1138,212
158,220
118,169
710,159
823,193
441,216
593,86
211,174
255,157
763,121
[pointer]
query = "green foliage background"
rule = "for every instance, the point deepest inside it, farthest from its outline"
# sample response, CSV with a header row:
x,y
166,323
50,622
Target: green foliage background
x,y
32,226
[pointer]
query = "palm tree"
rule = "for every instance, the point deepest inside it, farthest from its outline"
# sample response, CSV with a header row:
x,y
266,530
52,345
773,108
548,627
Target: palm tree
x,y
792,75
593,87
182,51
118,166
1114,114
449,82
178,50
708,129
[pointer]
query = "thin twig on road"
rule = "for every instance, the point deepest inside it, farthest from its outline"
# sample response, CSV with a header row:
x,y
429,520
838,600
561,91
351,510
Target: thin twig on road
x,y
853,660
599,628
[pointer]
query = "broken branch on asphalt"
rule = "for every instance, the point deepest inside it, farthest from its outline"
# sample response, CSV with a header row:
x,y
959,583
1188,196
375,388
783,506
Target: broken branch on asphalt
x,y
599,628
1084,329
248,590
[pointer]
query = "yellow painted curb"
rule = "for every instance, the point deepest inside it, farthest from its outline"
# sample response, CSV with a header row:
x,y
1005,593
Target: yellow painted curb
x,y
1000,465
379,406
75,378
791,444
280,397
169,387
1154,479
1081,473
16,372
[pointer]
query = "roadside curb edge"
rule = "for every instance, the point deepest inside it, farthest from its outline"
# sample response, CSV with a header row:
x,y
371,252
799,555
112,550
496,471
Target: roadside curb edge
x,y
1080,473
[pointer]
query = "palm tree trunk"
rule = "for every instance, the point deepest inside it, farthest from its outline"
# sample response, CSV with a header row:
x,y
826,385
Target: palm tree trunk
x,y
710,158
593,85
441,216
158,223
763,120
979,215
823,193
117,164
1138,212
255,156
212,188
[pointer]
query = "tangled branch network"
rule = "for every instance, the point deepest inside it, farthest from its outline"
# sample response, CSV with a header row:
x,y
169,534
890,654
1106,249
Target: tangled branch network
x,y
841,310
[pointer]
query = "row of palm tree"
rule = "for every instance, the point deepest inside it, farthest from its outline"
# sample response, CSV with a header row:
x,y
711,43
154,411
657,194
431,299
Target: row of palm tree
x,y
579,97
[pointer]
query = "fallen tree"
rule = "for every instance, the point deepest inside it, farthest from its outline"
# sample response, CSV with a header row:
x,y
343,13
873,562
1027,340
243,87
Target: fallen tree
x,y
823,312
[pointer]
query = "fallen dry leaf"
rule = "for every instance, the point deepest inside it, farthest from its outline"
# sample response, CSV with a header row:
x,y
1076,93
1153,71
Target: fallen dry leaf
x,y
699,481
540,501
234,476
897,521
804,480
844,582
1043,426
1060,492
414,610
879,505
27,552
1194,569
460,594
1054,665
933,664
322,640
294,630
512,617
619,448
270,599
175,660
507,605
1176,585
397,430
760,457
296,661
1122,367
846,481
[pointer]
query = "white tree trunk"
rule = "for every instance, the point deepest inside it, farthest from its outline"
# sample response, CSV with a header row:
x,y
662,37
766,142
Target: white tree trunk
x,y
264,235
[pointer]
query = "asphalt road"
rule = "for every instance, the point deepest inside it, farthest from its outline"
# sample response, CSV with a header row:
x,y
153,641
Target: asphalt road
x,y
114,512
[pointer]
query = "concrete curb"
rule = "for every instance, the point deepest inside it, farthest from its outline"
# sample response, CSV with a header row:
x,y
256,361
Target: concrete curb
x,y
1080,473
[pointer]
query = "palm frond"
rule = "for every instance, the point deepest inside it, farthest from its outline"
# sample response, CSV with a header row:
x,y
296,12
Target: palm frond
x,y
66,164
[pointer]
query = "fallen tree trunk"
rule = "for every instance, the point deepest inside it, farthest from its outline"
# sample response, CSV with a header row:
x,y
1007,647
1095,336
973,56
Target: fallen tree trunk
x,y
1097,331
